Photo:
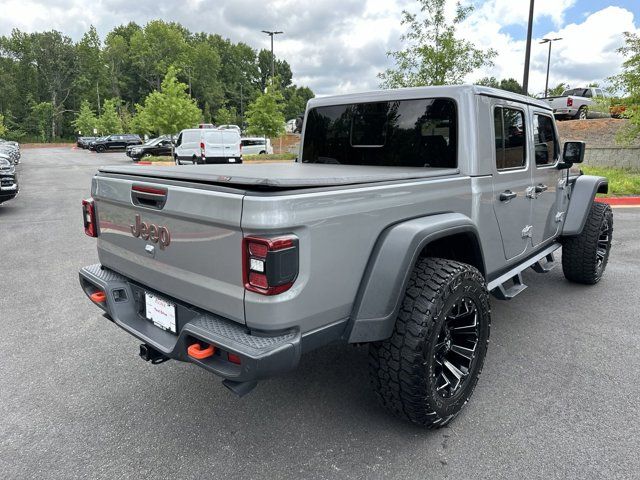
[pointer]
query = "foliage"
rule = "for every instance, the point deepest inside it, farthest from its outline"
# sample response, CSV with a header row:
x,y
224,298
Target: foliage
x,y
264,115
170,109
433,54
86,120
296,99
226,116
508,84
271,157
621,181
3,128
628,81
41,116
558,90
109,122
127,65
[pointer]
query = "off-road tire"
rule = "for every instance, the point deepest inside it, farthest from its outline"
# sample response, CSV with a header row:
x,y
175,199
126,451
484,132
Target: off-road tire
x,y
580,262
402,367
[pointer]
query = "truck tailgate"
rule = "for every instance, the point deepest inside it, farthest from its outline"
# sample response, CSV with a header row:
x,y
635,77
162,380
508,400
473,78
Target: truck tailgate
x,y
194,250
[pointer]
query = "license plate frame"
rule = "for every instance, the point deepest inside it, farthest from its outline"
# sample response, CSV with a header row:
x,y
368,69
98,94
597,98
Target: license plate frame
x,y
160,312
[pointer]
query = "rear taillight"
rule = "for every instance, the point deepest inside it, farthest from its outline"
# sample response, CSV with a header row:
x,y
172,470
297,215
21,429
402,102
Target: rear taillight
x,y
270,265
569,102
89,217
202,155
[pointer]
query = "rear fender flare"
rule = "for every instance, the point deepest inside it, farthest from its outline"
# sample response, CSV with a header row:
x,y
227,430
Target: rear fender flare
x,y
583,193
390,265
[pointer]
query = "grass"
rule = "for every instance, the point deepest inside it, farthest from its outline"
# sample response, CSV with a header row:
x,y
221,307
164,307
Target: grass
x,y
276,156
621,181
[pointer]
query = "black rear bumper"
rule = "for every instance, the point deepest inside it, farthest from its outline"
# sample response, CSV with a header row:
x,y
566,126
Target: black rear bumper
x,y
261,356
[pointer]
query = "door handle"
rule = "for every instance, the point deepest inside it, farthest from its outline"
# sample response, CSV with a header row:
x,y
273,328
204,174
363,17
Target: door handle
x,y
507,195
541,188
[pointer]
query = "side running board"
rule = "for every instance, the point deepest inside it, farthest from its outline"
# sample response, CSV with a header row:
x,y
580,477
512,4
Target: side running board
x,y
510,284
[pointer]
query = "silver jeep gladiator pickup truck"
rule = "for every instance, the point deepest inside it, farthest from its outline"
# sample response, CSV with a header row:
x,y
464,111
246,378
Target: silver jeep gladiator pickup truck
x,y
404,210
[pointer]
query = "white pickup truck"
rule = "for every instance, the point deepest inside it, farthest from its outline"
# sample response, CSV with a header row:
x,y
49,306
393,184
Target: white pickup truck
x,y
580,103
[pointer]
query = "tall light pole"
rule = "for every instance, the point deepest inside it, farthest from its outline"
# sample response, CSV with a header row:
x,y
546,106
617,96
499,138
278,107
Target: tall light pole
x,y
549,41
527,53
273,59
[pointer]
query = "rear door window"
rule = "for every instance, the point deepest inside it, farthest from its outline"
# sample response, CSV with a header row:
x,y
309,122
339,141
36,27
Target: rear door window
x,y
510,138
402,133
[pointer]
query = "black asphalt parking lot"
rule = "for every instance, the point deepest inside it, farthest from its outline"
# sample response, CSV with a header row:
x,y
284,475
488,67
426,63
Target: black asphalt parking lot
x,y
558,397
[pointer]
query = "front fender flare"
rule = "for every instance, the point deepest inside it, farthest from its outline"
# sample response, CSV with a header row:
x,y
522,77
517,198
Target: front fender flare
x,y
390,265
583,193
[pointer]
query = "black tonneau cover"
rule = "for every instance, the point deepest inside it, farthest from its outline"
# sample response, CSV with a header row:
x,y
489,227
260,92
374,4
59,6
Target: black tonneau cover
x,y
281,175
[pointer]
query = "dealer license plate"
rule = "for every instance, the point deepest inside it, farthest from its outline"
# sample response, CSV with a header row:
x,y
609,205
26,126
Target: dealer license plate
x,y
160,312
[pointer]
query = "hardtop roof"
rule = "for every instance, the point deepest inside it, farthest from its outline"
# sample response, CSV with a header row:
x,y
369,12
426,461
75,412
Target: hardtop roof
x,y
453,91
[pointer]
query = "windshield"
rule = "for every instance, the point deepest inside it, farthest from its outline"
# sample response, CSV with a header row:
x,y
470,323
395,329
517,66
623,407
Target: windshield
x,y
403,133
153,141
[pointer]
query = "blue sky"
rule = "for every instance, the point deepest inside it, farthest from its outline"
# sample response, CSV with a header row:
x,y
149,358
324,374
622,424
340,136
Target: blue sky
x,y
580,10
337,46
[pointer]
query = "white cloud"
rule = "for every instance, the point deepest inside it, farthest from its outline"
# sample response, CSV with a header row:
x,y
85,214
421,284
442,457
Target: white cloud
x,y
586,53
340,45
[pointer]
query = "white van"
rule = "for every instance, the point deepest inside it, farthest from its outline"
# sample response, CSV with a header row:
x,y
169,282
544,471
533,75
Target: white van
x,y
204,145
256,145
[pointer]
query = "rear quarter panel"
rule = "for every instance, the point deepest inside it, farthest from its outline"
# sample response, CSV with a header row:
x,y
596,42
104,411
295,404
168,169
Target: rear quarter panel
x,y
337,231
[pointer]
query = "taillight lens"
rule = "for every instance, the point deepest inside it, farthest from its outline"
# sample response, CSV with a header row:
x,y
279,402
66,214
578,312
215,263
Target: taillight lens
x,y
569,102
270,265
89,217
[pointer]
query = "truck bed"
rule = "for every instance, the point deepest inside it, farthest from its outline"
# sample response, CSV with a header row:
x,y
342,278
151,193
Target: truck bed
x,y
276,176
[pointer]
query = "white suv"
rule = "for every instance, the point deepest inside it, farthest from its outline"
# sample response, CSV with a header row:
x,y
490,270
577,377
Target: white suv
x,y
256,145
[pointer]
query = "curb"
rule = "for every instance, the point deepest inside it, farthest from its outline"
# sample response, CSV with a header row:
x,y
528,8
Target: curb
x,y
627,201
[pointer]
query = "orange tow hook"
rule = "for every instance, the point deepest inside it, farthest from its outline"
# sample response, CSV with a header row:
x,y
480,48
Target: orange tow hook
x,y
98,297
199,353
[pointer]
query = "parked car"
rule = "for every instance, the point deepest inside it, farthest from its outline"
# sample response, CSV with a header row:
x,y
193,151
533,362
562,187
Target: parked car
x,y
199,146
581,103
83,142
405,210
160,146
256,146
115,142
8,180
11,152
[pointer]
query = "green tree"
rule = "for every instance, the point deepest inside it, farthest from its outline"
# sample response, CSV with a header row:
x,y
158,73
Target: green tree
x,y
51,56
557,90
226,116
154,48
282,68
433,54
86,120
3,128
200,67
264,115
169,110
296,99
109,122
508,84
628,82
91,81
41,119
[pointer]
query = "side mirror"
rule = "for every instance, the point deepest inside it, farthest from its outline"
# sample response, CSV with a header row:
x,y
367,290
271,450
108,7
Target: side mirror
x,y
573,152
